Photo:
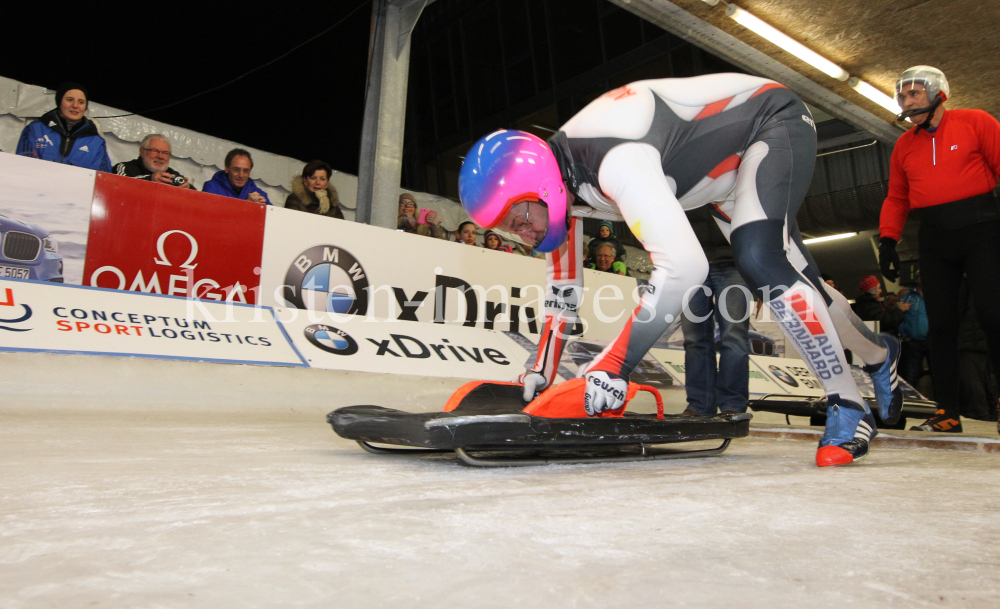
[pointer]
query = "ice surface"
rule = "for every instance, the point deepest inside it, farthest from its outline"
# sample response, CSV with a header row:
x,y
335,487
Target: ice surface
x,y
134,483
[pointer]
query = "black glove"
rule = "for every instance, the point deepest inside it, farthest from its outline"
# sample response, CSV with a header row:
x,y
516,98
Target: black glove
x,y
888,258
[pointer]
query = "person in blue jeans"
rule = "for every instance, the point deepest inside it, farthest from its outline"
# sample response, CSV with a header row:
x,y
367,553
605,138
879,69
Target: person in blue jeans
x,y
724,299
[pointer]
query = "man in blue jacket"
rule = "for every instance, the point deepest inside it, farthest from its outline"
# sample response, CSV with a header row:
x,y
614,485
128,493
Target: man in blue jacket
x,y
913,332
64,135
235,180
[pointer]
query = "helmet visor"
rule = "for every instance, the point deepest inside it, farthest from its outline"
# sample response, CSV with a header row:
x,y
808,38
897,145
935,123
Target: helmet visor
x,y
527,222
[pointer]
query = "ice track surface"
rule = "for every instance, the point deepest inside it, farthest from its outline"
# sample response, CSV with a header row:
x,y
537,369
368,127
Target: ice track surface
x,y
138,483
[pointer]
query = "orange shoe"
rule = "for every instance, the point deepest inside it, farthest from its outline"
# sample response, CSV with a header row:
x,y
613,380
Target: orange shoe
x,y
940,422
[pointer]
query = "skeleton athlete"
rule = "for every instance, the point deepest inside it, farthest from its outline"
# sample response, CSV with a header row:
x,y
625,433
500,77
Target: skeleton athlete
x,y
644,153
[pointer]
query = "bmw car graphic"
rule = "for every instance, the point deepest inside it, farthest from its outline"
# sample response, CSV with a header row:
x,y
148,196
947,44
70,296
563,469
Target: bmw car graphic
x,y
28,252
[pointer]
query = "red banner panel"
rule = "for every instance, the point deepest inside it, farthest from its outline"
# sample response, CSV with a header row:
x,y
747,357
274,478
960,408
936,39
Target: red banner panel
x,y
161,239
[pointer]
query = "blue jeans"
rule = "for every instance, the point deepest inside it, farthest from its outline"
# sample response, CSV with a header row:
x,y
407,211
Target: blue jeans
x,y
710,389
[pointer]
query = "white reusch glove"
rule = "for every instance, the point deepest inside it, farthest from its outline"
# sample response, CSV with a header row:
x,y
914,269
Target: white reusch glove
x,y
534,383
604,392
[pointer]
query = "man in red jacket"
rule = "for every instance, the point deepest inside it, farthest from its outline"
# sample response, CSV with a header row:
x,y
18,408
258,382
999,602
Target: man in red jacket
x,y
945,170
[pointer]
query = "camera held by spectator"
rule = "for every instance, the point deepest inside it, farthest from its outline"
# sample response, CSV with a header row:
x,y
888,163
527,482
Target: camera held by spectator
x,y
153,163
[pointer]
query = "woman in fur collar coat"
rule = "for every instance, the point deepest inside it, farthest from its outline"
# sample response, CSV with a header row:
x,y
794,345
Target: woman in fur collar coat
x,y
313,193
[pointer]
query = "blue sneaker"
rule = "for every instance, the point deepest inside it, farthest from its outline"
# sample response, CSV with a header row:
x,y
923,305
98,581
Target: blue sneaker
x,y
850,428
888,394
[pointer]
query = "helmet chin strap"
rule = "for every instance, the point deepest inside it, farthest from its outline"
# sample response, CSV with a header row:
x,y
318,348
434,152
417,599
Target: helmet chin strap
x,y
931,109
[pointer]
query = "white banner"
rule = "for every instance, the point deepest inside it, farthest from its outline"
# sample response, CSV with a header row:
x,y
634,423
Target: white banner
x,y
760,382
48,204
323,264
36,316
351,342
768,375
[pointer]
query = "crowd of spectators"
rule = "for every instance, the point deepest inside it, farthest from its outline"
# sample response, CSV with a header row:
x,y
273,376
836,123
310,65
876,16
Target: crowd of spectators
x,y
65,135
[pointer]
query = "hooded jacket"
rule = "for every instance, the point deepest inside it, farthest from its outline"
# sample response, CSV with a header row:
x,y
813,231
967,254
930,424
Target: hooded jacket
x,y
219,185
47,138
303,199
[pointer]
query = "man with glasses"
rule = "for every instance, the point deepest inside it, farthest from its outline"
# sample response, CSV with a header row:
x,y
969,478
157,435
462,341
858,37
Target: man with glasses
x,y
234,181
153,163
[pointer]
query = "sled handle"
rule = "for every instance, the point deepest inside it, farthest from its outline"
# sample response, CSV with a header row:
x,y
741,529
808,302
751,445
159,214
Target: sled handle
x,y
656,394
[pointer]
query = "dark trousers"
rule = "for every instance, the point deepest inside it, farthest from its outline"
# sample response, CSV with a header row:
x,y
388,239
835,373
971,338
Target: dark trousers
x,y
911,361
978,393
944,256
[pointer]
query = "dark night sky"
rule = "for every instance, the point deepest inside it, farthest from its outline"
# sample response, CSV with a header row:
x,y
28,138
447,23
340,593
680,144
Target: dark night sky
x,y
308,105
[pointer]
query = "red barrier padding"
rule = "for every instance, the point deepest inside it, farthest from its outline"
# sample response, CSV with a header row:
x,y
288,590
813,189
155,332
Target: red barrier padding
x,y
166,240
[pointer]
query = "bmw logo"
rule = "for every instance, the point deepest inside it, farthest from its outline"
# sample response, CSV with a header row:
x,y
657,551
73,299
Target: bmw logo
x,y
331,339
783,376
327,278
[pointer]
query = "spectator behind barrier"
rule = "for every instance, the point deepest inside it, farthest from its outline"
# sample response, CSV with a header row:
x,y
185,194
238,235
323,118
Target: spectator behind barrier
x,y
868,307
604,260
64,135
407,219
234,181
466,233
313,193
605,234
431,226
152,164
492,241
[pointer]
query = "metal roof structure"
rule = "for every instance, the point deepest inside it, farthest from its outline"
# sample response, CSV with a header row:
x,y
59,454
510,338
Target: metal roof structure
x,y
874,40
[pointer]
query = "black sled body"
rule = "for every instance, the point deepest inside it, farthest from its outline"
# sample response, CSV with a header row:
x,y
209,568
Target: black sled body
x,y
498,426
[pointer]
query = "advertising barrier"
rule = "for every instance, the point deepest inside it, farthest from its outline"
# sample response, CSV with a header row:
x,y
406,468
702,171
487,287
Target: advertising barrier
x,y
350,342
772,375
328,265
44,219
36,316
116,233
161,240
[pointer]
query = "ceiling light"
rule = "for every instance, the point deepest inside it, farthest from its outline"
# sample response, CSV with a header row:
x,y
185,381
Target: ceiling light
x,y
829,238
809,56
874,94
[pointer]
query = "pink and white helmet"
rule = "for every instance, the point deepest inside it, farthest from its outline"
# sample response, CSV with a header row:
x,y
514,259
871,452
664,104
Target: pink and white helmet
x,y
511,183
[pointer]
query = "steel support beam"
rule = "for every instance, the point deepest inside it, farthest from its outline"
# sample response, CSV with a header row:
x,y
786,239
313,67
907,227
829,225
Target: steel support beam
x,y
381,159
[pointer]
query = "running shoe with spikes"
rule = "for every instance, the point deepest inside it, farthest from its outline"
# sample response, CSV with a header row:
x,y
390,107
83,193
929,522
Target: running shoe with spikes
x,y
940,421
850,428
885,378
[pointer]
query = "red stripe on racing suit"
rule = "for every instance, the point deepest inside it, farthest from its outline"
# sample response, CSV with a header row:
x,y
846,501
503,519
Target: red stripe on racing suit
x,y
563,293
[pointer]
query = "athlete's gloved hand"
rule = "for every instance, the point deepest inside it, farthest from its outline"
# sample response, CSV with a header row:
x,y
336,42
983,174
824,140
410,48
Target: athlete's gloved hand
x,y
887,258
604,392
534,383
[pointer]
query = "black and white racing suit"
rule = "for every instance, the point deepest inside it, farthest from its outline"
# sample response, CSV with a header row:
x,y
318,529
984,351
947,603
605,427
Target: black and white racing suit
x,y
648,151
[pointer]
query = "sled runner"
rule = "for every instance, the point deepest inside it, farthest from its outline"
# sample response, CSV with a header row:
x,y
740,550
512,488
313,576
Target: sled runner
x,y
487,424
